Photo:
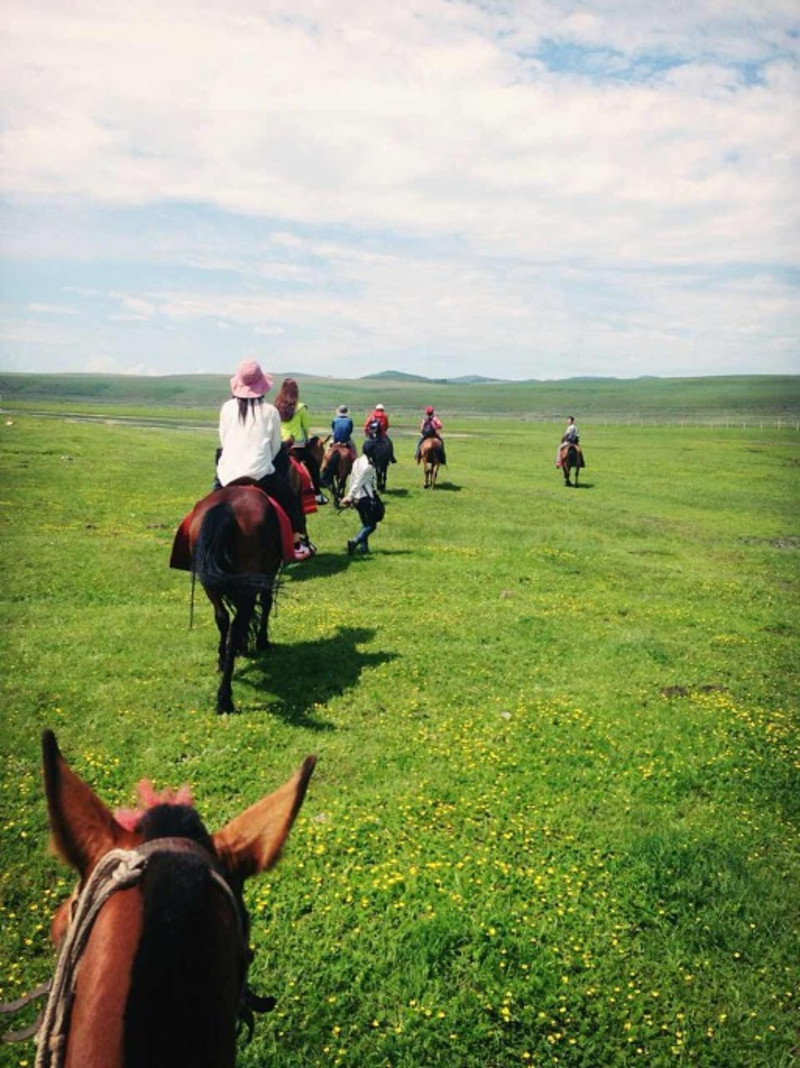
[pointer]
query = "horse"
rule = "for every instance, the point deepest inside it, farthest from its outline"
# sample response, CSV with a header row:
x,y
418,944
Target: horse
x,y
431,454
235,541
337,466
381,458
153,945
571,458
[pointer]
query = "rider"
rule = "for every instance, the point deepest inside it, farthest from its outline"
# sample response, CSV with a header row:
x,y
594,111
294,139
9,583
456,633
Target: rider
x,y
569,437
430,427
377,426
296,431
250,436
342,428
362,493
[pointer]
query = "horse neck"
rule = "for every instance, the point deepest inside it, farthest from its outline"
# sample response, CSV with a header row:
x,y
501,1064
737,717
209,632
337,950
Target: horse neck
x,y
160,980
96,1028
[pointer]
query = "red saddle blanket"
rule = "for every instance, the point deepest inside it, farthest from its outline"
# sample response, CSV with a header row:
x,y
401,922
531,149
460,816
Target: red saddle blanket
x,y
181,556
307,501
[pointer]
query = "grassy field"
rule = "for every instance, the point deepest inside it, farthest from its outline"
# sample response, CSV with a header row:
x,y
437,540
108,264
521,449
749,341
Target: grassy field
x,y
556,815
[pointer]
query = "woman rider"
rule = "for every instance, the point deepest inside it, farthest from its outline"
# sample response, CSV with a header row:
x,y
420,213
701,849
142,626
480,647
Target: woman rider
x,y
250,436
296,431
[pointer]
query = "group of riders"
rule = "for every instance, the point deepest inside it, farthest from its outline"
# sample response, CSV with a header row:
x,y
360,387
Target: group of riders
x,y
259,442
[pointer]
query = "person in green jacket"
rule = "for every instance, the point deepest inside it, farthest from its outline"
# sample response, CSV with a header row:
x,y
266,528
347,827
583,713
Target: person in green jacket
x,y
296,432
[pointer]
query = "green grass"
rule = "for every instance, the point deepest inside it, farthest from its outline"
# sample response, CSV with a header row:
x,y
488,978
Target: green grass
x,y
555,814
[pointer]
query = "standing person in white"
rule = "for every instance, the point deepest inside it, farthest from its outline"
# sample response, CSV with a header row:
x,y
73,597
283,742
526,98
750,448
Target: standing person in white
x,y
364,496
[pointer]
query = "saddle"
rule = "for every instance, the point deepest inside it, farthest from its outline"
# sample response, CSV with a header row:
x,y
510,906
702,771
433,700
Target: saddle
x,y
181,555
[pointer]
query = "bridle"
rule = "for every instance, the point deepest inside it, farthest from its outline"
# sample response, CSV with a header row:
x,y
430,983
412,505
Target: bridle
x,y
120,869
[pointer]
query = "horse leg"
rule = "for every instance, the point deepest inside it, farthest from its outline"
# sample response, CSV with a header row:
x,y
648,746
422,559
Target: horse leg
x,y
339,483
264,609
223,621
236,643
224,690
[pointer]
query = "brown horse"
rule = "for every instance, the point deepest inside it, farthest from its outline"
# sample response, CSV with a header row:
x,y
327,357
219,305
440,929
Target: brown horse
x,y
232,541
432,456
571,459
338,465
154,949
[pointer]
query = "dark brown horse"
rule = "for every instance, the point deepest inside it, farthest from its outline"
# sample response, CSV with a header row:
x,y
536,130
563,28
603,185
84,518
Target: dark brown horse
x,y
232,541
432,456
153,945
336,469
381,458
571,459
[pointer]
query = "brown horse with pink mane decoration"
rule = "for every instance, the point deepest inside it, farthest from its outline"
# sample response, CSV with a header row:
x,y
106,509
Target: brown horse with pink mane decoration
x,y
153,946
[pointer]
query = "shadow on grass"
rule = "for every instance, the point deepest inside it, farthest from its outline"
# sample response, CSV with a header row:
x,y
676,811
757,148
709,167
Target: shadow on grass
x,y
324,564
303,674
447,487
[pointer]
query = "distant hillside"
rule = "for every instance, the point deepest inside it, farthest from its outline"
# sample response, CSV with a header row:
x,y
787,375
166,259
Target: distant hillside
x,y
394,376
198,397
401,376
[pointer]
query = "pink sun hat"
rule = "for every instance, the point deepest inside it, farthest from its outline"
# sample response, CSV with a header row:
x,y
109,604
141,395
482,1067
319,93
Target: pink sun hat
x,y
250,380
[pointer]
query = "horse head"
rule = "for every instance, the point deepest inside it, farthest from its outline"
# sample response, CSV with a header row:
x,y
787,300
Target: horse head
x,y
154,947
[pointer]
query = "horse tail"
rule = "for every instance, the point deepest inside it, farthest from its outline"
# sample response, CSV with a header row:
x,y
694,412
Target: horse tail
x,y
331,467
213,558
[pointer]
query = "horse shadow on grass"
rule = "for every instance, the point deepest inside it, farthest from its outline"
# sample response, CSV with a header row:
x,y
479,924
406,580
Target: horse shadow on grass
x,y
448,487
301,675
324,565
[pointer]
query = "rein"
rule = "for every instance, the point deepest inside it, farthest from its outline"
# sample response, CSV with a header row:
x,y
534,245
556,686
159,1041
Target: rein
x,y
119,869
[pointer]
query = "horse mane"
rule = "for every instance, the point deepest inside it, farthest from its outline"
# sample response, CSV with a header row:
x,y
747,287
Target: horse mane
x,y
148,798
176,968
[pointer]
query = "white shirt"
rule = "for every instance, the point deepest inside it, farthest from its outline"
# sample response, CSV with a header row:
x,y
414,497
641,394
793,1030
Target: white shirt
x,y
362,480
248,448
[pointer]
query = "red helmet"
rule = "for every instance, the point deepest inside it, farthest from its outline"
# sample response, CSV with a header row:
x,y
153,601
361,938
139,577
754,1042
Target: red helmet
x,y
429,410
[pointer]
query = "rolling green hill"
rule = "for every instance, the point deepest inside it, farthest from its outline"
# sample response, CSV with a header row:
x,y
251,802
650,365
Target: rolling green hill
x,y
771,398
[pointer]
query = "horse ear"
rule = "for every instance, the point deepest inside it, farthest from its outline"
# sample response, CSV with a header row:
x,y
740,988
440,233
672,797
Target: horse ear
x,y
252,841
82,827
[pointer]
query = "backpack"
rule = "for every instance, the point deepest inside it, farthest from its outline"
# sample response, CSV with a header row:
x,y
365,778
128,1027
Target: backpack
x,y
378,508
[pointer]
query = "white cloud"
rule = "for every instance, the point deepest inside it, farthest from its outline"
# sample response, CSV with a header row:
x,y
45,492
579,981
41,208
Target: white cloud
x,y
482,152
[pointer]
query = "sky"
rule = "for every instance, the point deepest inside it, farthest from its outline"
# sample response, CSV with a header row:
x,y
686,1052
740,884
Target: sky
x,y
517,189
